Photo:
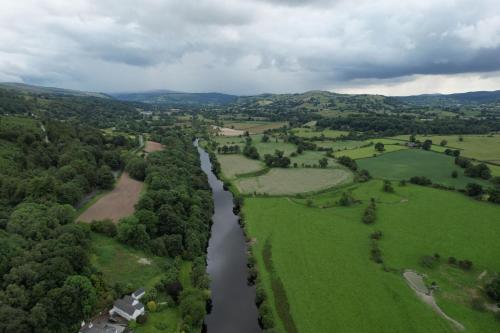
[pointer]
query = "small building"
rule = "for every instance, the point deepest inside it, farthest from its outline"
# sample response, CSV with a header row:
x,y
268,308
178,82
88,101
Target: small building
x,y
101,328
138,293
128,307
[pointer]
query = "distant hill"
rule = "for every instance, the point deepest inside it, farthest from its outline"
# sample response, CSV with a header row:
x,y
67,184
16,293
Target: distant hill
x,y
475,97
21,87
168,97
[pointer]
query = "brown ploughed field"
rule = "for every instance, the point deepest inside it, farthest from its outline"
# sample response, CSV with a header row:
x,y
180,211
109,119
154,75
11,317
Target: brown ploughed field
x,y
152,146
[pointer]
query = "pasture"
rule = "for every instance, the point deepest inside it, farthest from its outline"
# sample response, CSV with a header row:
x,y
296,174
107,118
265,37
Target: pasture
x,y
310,133
116,204
480,147
233,165
312,158
11,123
369,151
417,162
292,181
254,127
271,146
322,256
122,264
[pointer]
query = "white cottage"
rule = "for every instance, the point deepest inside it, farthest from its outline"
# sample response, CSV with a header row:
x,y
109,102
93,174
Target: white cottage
x,y
128,307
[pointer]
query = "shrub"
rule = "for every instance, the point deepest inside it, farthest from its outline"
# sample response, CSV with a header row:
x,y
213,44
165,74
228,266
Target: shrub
x,y
428,261
161,326
376,235
152,306
346,199
492,289
424,181
466,265
452,260
388,186
106,227
474,190
454,174
142,319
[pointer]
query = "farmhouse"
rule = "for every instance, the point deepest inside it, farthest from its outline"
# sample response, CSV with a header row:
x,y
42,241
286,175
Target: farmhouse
x,y
129,307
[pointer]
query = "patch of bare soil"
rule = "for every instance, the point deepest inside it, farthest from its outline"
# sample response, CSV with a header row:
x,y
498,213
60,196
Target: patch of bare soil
x,y
228,131
152,146
416,282
116,204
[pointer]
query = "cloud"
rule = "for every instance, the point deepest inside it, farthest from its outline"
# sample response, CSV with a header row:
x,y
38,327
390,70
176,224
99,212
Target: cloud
x,y
246,46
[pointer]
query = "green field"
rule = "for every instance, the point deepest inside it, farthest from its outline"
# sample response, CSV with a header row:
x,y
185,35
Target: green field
x,y
309,133
322,256
120,263
368,151
237,164
11,122
254,127
312,158
292,181
271,146
340,145
480,147
416,162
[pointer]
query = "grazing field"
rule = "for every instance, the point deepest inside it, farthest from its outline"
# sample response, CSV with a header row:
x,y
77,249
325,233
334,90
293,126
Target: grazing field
x,y
11,123
122,264
271,146
312,158
416,162
152,146
369,151
322,256
117,204
480,147
236,164
340,145
310,133
293,181
225,131
254,127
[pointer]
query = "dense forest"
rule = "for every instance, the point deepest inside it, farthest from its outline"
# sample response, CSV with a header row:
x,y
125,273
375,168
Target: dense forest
x,y
47,283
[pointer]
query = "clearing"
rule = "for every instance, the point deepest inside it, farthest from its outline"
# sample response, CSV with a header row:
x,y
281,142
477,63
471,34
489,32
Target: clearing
x,y
227,131
417,162
322,256
293,180
233,165
152,146
117,204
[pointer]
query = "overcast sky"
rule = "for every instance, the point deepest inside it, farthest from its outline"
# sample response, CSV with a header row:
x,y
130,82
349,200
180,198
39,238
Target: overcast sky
x,y
392,47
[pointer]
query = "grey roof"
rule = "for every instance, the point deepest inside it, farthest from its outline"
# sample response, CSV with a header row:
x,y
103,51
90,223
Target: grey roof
x,y
107,328
139,292
125,306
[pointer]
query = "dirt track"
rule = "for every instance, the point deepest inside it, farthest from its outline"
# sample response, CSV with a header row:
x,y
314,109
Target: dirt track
x,y
152,146
116,204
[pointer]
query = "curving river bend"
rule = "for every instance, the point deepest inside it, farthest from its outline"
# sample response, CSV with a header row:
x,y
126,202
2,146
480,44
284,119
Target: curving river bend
x,y
233,301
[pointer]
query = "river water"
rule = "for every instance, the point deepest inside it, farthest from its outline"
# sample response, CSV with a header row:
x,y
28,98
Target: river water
x,y
233,301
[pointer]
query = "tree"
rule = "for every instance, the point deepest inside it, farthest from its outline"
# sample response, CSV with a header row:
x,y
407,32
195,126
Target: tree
x,y
492,289
105,178
443,143
133,233
136,167
323,163
388,186
265,138
379,146
474,190
192,307
427,144
454,174
152,306
348,162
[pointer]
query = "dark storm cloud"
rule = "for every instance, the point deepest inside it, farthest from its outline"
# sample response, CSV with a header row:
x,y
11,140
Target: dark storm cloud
x,y
244,46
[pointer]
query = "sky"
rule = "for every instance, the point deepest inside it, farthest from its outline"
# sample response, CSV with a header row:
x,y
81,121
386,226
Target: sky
x,y
390,47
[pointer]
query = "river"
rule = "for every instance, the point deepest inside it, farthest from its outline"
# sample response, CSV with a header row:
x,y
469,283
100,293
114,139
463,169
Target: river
x,y
233,301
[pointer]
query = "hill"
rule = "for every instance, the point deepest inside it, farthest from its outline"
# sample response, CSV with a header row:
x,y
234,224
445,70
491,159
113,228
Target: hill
x,y
21,87
468,98
168,97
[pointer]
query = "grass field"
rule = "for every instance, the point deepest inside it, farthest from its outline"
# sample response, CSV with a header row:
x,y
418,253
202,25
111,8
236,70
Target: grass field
x,y
480,147
312,158
11,122
254,127
293,181
271,146
236,164
120,263
340,145
416,162
309,133
370,151
322,258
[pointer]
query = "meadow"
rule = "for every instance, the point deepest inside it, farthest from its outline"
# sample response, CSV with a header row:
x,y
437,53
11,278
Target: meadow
x,y
369,151
312,158
233,165
254,127
417,162
322,256
480,147
293,180
122,264
310,133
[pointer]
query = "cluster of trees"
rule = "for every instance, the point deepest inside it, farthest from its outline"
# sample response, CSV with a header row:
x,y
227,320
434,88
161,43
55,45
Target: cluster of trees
x,y
480,170
348,162
46,281
232,149
277,160
389,125
249,150
369,214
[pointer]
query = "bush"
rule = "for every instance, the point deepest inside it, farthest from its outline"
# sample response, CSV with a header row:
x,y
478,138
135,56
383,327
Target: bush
x,y
142,319
452,260
492,289
428,261
161,326
376,235
424,181
152,306
466,265
348,162
474,190
136,167
105,227
454,174
388,186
